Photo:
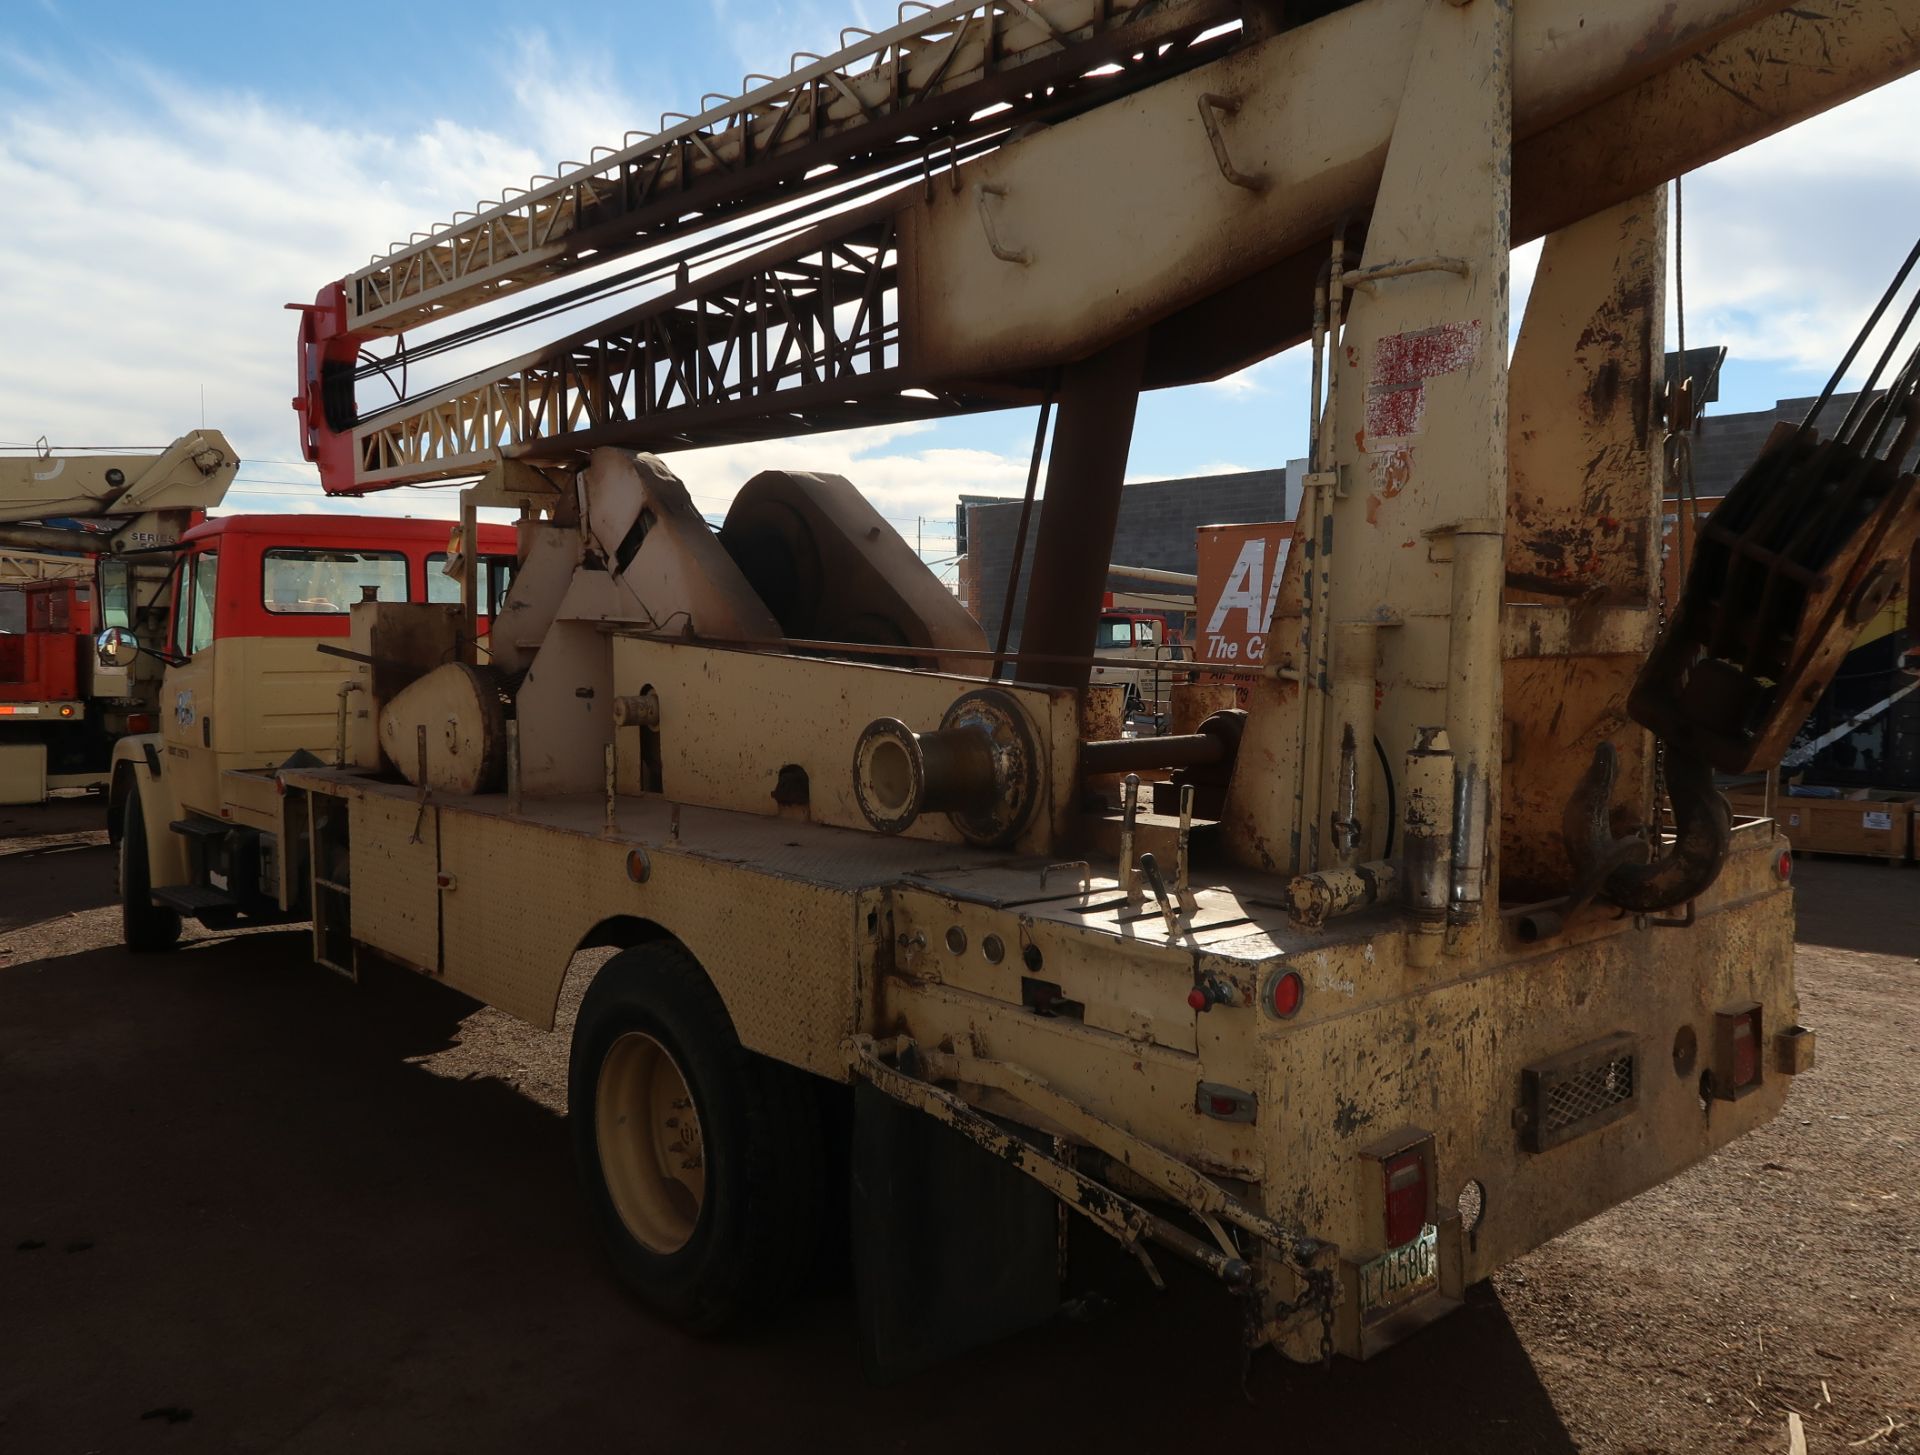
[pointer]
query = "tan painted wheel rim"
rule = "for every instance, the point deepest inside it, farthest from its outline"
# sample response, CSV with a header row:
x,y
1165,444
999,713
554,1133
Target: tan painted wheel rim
x,y
648,1136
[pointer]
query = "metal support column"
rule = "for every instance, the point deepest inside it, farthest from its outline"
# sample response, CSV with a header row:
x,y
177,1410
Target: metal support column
x,y
1069,572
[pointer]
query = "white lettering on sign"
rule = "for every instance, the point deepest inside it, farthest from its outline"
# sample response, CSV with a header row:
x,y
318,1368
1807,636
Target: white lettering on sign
x,y
1251,589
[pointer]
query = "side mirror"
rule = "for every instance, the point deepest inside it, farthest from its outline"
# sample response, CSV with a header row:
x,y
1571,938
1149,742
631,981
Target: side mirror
x,y
116,647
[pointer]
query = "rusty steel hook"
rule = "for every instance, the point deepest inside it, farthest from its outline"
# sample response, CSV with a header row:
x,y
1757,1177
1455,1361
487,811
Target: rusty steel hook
x,y
1620,869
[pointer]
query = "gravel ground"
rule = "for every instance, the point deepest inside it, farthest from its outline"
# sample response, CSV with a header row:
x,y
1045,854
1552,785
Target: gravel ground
x,y
246,1205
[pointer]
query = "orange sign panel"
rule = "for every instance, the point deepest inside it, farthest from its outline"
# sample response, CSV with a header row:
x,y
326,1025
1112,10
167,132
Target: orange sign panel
x,y
1240,570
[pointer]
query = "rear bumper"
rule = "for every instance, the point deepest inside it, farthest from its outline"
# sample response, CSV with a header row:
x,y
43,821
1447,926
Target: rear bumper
x,y
1552,1085
52,710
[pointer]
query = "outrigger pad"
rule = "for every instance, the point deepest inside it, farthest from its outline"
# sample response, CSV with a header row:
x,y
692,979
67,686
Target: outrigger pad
x,y
952,1248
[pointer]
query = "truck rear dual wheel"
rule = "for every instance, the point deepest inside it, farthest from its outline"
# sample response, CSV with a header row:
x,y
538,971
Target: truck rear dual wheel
x,y
147,928
701,1161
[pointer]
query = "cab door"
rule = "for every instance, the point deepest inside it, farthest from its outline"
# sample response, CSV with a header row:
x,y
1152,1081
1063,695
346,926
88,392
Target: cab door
x,y
187,704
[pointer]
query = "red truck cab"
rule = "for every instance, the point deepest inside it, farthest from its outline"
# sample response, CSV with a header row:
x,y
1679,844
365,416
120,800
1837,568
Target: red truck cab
x,y
254,598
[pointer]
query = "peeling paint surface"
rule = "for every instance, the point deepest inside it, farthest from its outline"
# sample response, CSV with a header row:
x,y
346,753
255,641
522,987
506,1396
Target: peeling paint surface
x,y
1402,365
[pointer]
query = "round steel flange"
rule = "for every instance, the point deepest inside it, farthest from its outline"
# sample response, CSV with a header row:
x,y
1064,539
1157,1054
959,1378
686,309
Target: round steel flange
x,y
889,775
996,716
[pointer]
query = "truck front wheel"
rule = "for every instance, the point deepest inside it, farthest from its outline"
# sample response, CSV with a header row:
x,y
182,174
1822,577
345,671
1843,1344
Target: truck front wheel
x,y
701,1161
146,927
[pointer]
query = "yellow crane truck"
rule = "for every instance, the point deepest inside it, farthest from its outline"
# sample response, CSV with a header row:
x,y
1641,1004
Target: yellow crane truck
x,y
1442,945
99,523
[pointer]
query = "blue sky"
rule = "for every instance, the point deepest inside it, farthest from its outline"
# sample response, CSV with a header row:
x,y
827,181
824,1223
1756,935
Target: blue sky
x,y
178,171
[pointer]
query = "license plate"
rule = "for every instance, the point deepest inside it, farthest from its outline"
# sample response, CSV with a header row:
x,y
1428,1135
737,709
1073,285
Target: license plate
x,y
1401,1273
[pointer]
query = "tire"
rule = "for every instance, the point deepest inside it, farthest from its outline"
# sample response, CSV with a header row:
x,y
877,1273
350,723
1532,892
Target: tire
x,y
709,1227
147,928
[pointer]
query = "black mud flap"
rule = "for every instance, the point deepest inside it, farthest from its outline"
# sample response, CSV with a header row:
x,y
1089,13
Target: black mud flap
x,y
952,1248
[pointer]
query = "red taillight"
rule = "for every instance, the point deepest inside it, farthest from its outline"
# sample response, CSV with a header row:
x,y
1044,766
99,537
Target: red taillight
x,y
1225,1103
1738,1044
1746,1050
140,722
1406,1196
1288,992
1783,866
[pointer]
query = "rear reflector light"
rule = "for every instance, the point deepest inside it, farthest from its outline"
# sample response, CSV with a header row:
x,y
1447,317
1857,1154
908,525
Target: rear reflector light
x,y
1783,866
1405,1178
1746,1052
1225,1103
140,722
1288,992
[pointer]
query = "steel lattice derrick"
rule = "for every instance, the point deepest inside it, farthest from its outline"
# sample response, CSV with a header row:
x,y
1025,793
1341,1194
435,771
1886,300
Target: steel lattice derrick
x,y
1005,268
805,340
959,71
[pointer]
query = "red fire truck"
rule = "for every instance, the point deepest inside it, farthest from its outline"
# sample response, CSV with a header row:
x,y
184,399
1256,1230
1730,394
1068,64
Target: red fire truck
x,y
44,677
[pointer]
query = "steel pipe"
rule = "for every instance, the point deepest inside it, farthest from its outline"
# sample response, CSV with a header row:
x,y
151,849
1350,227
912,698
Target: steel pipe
x,y
1135,755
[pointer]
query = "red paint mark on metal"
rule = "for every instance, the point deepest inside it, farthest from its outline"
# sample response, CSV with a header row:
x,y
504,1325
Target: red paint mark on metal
x,y
1402,365
1391,470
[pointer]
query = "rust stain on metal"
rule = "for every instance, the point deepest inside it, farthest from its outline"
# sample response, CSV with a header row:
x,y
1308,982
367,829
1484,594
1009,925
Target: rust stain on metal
x,y
1659,36
1348,1118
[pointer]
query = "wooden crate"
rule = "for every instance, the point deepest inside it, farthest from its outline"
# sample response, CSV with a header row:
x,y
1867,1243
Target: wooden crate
x,y
1869,822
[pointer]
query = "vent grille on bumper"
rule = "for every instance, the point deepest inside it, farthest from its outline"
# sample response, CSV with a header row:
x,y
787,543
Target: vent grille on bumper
x,y
1579,1091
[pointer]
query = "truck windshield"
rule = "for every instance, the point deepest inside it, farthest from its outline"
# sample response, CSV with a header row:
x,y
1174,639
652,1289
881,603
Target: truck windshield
x,y
206,575
313,581
495,574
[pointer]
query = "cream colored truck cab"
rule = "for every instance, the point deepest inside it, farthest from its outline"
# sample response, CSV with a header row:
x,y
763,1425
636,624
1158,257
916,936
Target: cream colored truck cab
x,y
249,687
1141,638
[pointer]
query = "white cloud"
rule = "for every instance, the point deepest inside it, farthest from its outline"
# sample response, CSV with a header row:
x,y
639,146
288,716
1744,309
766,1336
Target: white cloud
x,y
1788,243
161,241
1214,467
765,35
905,485
568,104
1255,379
154,242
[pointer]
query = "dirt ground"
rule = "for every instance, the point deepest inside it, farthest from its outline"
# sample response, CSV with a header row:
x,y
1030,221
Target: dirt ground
x,y
246,1205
